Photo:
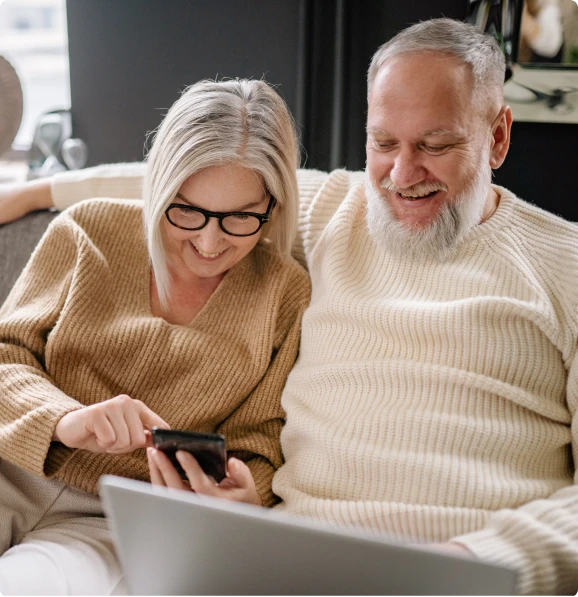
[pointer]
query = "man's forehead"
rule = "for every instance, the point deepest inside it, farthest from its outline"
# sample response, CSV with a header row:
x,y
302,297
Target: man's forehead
x,y
417,77
425,65
414,98
428,123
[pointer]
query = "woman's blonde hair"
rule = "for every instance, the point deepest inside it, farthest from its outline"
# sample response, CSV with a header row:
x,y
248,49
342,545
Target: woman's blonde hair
x,y
215,123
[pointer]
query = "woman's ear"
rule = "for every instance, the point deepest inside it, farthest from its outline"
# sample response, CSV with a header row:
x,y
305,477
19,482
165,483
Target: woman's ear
x,y
500,135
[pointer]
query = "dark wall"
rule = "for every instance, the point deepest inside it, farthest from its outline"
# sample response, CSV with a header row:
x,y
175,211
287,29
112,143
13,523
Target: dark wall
x,y
540,166
130,58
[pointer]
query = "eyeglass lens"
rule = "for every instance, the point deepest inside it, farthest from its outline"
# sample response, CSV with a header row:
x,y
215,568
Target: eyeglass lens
x,y
194,220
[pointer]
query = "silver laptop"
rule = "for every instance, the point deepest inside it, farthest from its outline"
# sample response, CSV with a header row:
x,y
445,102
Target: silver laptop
x,y
178,543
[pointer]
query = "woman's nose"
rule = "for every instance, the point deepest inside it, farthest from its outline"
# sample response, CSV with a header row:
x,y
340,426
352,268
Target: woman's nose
x,y
210,237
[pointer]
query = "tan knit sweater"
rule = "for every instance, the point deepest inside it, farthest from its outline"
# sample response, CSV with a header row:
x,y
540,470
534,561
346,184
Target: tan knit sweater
x,y
432,401
77,329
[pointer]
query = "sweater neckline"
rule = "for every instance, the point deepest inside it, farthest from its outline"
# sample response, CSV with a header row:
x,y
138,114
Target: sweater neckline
x,y
217,302
498,220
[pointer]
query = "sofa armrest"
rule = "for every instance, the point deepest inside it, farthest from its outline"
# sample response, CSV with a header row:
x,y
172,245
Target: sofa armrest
x,y
17,241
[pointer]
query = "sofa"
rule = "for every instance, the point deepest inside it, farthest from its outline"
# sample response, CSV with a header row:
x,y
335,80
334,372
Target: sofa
x,y
17,241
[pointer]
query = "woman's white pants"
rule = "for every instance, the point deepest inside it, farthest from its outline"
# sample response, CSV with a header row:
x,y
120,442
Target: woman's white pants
x,y
54,539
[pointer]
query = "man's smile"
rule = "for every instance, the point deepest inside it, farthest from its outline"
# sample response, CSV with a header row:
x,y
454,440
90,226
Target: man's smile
x,y
412,197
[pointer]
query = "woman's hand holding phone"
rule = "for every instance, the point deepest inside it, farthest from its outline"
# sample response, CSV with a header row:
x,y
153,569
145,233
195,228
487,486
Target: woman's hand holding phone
x,y
237,486
115,426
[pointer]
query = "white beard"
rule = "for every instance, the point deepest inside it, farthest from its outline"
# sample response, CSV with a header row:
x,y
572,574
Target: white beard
x,y
440,237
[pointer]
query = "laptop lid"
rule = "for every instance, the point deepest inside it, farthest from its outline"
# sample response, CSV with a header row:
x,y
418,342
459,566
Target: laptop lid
x,y
178,543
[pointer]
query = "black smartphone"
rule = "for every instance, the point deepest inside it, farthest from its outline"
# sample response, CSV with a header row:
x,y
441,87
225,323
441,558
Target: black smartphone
x,y
207,448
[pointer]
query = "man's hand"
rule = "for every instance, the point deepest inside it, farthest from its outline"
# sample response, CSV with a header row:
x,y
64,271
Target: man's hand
x,y
237,486
18,199
115,426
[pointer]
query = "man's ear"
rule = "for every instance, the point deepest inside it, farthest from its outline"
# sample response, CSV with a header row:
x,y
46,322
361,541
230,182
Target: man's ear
x,y
500,139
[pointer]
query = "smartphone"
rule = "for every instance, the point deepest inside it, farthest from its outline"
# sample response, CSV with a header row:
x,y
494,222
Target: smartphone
x,y
207,448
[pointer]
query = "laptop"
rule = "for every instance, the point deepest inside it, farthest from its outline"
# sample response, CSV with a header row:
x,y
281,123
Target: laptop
x,y
178,543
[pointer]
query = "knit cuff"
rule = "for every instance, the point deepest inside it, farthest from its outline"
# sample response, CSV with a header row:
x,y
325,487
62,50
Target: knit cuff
x,y
262,472
503,549
57,456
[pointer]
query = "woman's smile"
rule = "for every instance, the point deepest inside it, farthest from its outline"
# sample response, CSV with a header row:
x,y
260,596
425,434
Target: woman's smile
x,y
206,256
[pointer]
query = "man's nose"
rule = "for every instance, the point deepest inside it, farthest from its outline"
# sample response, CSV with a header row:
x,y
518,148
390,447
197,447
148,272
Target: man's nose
x,y
407,168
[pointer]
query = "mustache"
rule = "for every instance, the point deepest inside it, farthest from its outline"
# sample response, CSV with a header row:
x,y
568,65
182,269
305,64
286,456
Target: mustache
x,y
417,190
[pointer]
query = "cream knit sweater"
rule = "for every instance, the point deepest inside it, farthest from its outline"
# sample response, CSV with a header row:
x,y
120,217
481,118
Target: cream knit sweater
x,y
77,329
434,401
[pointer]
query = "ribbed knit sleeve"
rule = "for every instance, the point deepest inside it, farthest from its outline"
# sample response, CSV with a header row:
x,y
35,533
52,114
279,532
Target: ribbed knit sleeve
x,y
109,180
253,430
31,405
540,539
310,182
320,195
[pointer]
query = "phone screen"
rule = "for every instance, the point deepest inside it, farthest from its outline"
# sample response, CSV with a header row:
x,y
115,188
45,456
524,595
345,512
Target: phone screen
x,y
207,448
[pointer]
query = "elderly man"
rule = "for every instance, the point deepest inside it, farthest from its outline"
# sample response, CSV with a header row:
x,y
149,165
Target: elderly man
x,y
436,392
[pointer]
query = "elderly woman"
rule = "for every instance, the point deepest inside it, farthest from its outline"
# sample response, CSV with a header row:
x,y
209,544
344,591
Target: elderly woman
x,y
181,311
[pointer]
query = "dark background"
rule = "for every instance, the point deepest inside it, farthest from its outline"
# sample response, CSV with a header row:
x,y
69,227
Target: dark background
x,y
129,59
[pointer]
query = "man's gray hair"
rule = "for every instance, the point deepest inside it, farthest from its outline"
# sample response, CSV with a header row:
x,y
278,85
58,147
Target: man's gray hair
x,y
215,123
460,40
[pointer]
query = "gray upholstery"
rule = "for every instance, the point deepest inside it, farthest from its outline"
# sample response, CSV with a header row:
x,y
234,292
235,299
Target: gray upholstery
x,y
17,240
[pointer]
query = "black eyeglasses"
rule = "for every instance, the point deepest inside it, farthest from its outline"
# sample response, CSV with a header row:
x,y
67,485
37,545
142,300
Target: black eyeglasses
x,y
235,223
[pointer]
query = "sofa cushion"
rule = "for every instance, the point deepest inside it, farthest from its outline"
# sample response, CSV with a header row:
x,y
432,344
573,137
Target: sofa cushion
x,y
17,240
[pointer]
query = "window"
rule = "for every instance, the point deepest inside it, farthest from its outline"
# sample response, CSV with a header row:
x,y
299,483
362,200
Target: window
x,y
33,38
